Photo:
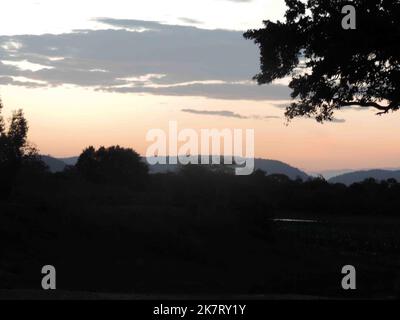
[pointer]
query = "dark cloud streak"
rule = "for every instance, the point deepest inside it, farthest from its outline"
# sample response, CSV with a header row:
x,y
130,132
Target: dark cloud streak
x,y
190,20
229,114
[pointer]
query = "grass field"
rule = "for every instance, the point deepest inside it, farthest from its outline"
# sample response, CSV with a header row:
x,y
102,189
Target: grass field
x,y
138,251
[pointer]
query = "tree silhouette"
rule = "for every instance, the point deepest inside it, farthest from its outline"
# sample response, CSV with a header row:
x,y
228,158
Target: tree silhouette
x,y
14,149
113,165
331,67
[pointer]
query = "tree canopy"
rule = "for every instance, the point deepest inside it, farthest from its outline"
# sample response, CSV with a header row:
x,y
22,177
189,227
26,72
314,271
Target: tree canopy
x,y
15,150
113,165
331,67
13,141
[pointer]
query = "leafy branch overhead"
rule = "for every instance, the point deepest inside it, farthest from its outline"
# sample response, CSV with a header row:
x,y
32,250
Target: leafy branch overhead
x,y
331,67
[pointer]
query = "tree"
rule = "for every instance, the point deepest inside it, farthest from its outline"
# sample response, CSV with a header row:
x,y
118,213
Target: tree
x,y
330,67
113,165
204,170
14,150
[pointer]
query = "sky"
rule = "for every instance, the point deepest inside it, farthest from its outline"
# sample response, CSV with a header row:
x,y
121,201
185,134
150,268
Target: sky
x,y
105,72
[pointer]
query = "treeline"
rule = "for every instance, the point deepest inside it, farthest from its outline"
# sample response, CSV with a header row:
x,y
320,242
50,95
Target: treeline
x,y
120,174
116,172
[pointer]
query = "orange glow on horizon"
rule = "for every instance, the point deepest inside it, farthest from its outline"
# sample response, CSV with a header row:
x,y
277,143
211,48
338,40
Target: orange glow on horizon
x,y
63,121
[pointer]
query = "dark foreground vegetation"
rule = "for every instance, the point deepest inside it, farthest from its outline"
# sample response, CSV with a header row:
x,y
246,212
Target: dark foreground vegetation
x,y
110,227
199,231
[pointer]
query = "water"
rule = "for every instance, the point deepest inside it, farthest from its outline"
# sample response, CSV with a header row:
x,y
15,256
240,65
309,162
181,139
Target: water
x,y
294,220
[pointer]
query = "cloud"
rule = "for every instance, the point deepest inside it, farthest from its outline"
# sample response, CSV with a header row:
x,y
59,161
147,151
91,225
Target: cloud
x,y
335,120
6,80
229,114
222,113
132,24
135,56
190,20
357,108
284,104
227,91
25,83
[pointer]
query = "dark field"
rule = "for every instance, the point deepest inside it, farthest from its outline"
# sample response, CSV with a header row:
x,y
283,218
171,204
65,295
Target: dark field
x,y
116,242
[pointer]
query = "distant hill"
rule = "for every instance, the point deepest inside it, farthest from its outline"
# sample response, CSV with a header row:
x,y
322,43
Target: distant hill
x,y
279,167
55,165
328,174
71,161
269,166
359,176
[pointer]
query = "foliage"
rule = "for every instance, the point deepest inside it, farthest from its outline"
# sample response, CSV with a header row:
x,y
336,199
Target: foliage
x,y
113,165
15,150
194,235
330,67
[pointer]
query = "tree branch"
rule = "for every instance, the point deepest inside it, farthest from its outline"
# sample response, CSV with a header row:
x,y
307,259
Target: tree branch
x,y
364,104
384,109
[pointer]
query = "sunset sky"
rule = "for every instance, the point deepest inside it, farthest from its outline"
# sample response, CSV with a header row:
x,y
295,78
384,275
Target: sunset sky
x,y
105,72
